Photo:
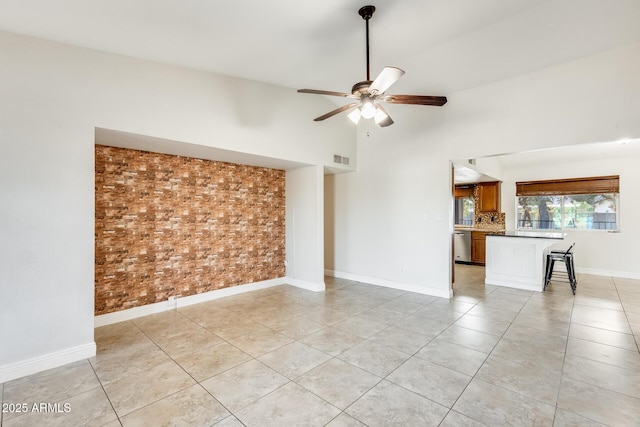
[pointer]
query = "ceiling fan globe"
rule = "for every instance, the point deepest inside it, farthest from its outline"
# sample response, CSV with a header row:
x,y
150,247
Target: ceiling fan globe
x,y
368,108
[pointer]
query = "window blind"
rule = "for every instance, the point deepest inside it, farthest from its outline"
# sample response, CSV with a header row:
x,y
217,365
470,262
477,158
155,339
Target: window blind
x,y
590,185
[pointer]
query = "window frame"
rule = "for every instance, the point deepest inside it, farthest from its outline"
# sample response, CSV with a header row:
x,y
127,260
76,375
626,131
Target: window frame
x,y
563,188
462,192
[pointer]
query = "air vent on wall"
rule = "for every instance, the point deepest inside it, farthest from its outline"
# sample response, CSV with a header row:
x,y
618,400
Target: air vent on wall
x,y
340,159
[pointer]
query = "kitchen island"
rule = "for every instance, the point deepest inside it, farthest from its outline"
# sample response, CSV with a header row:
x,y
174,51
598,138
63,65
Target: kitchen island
x,y
516,259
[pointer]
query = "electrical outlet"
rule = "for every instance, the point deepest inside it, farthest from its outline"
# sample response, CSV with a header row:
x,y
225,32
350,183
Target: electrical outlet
x,y
171,302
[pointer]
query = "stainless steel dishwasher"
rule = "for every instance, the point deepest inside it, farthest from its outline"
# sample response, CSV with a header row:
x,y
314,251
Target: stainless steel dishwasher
x,y
462,246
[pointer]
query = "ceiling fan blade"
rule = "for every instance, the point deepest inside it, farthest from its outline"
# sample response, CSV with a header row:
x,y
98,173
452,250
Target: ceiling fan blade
x,y
387,77
336,111
416,100
326,92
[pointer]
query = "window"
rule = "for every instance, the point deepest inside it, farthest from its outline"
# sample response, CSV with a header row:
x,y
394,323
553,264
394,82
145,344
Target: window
x,y
464,205
464,210
568,204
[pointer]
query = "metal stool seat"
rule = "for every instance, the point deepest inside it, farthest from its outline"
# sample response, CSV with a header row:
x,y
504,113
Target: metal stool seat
x,y
567,258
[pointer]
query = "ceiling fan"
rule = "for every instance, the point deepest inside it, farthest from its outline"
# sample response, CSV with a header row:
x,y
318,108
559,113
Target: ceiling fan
x,y
369,94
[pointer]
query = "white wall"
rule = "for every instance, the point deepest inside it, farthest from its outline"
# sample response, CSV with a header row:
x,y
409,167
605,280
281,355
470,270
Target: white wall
x,y
596,252
305,230
380,229
52,97
591,99
391,216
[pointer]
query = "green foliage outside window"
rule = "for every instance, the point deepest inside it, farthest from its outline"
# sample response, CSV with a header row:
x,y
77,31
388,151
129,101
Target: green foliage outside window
x,y
581,212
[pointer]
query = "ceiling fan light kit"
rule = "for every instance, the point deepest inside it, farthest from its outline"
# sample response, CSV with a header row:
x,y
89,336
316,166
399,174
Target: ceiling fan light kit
x,y
367,107
370,94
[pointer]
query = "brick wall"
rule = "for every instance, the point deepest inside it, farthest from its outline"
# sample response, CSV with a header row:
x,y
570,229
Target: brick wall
x,y
169,225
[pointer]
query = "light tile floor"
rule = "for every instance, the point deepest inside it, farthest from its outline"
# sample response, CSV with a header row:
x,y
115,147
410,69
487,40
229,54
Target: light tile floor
x,y
359,355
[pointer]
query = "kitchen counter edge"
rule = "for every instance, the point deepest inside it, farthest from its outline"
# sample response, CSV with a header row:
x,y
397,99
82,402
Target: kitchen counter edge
x,y
529,234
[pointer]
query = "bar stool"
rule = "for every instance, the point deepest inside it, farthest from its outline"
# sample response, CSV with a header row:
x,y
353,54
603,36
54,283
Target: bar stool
x,y
567,258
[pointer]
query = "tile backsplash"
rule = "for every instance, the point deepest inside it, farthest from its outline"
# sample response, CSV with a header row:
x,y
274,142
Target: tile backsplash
x,y
493,221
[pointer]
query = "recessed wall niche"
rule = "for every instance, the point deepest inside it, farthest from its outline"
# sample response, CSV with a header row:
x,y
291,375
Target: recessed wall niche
x,y
176,226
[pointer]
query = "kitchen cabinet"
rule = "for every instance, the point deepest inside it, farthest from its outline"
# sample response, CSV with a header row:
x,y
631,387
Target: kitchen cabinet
x,y
463,191
478,247
489,196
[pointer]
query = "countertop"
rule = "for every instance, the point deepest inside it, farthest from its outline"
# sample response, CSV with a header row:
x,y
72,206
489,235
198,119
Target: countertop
x,y
530,234
459,228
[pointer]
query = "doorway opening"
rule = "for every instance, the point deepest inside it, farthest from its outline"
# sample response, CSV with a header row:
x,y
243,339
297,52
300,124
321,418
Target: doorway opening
x,y
475,212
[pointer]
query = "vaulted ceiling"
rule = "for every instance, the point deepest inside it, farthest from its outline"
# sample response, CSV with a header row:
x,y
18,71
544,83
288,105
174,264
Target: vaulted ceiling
x,y
444,46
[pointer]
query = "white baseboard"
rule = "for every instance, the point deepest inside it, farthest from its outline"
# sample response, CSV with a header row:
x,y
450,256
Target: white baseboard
x,y
159,307
315,287
131,313
226,292
608,273
442,293
47,361
536,287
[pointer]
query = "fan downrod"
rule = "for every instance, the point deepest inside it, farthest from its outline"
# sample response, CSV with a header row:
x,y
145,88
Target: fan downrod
x,y
367,12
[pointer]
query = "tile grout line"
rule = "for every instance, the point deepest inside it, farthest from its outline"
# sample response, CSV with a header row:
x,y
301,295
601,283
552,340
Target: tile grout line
x,y
626,316
252,359
368,339
564,356
414,355
564,359
105,392
344,411
385,377
485,359
150,403
199,383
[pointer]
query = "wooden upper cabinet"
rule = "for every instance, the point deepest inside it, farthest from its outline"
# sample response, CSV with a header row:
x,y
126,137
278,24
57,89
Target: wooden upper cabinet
x,y
463,191
489,196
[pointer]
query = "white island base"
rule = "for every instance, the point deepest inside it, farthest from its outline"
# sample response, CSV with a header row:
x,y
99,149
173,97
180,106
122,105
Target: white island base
x,y
517,259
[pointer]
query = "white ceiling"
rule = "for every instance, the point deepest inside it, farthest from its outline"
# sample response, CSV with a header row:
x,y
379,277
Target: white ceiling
x,y
444,46
464,173
573,153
